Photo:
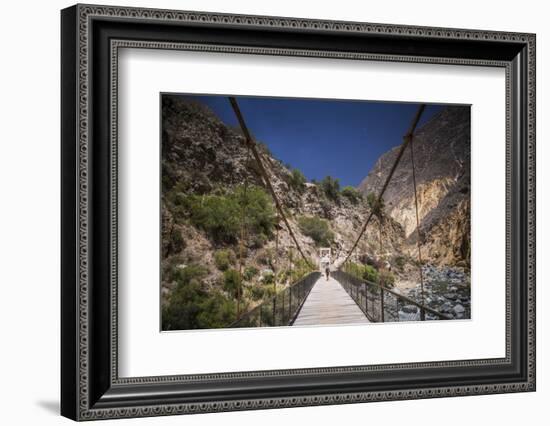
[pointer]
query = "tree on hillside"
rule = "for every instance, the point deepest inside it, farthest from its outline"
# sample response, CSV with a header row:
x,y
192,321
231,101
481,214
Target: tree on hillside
x,y
331,187
296,180
351,194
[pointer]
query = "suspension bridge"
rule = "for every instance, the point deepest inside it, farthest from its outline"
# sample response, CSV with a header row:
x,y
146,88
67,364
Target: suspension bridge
x,y
332,294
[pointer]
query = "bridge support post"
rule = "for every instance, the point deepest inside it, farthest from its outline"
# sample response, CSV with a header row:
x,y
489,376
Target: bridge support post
x,y
396,309
366,298
289,304
274,310
381,304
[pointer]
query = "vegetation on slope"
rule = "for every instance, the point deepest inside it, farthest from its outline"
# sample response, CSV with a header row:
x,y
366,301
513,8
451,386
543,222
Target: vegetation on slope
x,y
331,188
190,306
317,229
371,273
221,216
352,194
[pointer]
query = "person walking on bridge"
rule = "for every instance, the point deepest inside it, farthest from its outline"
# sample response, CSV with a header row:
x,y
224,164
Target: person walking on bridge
x,y
325,262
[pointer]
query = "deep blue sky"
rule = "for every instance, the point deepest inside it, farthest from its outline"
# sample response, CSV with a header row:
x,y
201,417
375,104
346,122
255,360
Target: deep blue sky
x,y
323,137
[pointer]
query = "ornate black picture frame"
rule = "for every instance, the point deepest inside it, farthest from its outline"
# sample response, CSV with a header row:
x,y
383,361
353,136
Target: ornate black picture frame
x,y
91,36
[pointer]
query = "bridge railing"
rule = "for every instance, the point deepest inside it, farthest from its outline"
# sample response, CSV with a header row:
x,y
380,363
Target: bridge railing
x,y
380,304
280,309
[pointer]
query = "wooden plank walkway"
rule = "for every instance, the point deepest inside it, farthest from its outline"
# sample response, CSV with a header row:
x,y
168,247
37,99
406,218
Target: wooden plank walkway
x,y
328,303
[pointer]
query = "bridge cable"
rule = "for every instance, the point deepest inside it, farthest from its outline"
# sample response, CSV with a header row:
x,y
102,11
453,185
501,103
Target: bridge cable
x,y
250,143
417,226
406,140
244,235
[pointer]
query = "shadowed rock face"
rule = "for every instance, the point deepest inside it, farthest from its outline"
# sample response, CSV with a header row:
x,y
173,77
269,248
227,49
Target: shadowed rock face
x,y
442,163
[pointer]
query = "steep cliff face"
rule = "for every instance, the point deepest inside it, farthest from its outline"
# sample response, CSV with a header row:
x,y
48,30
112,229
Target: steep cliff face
x,y
442,167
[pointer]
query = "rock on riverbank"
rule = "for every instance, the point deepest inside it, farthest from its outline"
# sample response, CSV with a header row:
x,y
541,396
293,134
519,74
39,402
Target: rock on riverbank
x,y
446,290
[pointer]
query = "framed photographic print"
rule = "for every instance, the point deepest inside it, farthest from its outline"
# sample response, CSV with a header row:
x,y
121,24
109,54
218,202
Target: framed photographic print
x,y
263,212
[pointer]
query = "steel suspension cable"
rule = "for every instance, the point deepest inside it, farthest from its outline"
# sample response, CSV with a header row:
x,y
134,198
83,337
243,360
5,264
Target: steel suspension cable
x,y
250,143
243,234
406,140
417,225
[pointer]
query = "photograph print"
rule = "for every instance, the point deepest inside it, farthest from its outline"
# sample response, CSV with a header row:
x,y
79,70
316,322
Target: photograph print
x,y
285,212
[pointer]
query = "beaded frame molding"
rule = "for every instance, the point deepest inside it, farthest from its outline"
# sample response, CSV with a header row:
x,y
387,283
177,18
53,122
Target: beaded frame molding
x,y
91,38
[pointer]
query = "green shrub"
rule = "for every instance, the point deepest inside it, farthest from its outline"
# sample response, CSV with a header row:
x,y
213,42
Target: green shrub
x,y
189,306
265,257
269,291
171,266
190,274
400,262
370,273
256,292
317,229
216,311
259,292
268,278
386,278
351,194
364,272
221,215
283,275
177,243
331,187
300,268
326,207
232,282
168,272
250,272
224,259
258,207
176,202
355,269
217,215
296,180
258,241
